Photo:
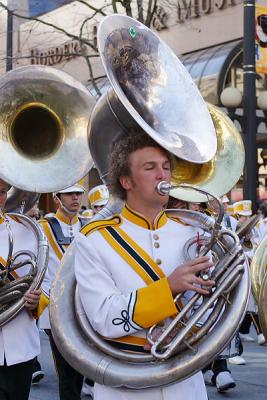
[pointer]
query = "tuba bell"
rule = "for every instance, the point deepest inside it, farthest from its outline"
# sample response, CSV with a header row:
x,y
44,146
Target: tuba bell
x,y
44,115
151,89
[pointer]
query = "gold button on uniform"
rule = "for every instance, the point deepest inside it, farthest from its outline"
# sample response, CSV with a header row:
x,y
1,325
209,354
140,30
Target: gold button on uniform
x,y
155,236
156,244
158,261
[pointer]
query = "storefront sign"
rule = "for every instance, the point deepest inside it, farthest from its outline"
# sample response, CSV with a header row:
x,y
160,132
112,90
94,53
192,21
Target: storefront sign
x,y
57,54
188,9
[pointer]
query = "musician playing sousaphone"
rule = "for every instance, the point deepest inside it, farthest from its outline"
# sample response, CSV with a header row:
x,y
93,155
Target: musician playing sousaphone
x,y
129,267
19,338
133,258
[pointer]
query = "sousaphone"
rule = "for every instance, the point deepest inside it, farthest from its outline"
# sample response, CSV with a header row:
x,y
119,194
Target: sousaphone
x,y
44,115
150,90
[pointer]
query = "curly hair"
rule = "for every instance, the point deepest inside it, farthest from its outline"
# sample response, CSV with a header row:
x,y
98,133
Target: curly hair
x,y
119,161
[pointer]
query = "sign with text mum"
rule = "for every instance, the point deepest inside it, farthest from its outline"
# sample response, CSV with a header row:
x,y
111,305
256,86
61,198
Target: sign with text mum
x,y
261,39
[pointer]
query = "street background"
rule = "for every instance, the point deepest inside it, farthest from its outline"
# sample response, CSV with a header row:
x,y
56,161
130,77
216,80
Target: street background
x,y
251,379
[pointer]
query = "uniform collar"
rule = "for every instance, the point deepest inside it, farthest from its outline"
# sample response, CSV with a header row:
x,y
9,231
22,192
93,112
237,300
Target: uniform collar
x,y
66,220
140,220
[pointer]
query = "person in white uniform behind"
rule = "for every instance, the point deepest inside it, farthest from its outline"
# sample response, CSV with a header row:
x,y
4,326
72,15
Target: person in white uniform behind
x,y
98,197
19,338
60,230
110,287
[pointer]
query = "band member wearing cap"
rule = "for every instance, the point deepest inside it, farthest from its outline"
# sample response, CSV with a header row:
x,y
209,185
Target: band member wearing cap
x,y
60,231
98,197
121,296
19,338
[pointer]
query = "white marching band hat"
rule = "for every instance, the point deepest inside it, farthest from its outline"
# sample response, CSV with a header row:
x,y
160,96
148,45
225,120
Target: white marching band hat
x,y
98,196
71,189
243,207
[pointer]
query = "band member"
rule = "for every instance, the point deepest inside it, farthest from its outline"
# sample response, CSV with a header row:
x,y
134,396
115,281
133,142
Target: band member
x,y
98,197
121,296
19,338
60,231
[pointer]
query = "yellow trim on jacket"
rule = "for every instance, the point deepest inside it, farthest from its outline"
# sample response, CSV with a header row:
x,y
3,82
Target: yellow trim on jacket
x,y
130,260
51,238
154,303
140,220
103,223
43,303
65,219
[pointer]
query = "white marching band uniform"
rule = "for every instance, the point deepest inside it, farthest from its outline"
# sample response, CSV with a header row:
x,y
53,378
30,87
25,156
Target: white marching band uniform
x,y
69,229
123,297
19,338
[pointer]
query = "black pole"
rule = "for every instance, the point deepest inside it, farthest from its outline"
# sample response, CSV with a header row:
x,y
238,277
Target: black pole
x,y
249,104
9,41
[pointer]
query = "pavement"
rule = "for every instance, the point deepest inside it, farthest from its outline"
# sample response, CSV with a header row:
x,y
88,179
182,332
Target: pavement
x,y
251,379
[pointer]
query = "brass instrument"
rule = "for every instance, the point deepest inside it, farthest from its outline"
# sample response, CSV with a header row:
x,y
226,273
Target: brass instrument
x,y
11,293
263,306
248,225
44,115
151,90
212,176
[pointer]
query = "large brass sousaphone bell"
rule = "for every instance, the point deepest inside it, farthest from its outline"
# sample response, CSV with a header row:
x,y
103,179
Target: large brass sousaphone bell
x,y
151,90
44,115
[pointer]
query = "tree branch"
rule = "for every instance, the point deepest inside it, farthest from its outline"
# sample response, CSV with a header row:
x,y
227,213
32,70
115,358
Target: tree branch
x,y
114,6
97,10
151,10
140,9
127,5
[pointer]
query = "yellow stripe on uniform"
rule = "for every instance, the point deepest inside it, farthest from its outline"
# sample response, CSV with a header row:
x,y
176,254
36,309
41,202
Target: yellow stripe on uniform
x,y
141,252
103,223
43,303
127,257
154,303
133,344
51,239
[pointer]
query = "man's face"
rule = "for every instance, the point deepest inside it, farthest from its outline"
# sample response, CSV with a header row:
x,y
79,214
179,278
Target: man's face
x,y
148,167
96,209
242,218
3,193
71,201
194,206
